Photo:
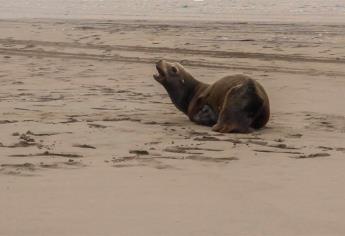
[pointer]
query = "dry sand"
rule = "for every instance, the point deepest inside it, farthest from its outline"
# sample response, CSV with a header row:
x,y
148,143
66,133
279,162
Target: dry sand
x,y
91,144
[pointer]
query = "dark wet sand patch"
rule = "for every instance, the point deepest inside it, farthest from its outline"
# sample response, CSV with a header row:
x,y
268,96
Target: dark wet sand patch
x,y
84,146
183,149
313,155
51,154
275,151
139,152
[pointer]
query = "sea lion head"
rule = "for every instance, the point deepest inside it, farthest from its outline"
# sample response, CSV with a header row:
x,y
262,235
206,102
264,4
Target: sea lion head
x,y
179,84
170,74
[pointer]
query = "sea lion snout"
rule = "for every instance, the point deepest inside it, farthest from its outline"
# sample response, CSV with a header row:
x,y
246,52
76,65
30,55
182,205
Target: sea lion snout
x,y
160,70
161,75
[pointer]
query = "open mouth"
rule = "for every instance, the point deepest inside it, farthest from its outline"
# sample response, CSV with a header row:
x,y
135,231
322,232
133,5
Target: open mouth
x,y
160,71
160,75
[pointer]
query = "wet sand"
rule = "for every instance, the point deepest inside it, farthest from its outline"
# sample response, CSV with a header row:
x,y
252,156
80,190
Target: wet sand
x,y
288,11
91,144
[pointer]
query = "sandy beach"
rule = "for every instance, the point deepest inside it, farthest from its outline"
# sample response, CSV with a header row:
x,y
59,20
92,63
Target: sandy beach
x,y
92,145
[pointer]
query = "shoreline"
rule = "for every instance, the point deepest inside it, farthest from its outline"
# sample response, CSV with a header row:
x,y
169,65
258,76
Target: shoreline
x,y
340,22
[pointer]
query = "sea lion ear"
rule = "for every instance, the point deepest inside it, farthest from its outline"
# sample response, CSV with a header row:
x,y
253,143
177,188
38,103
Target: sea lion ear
x,y
174,69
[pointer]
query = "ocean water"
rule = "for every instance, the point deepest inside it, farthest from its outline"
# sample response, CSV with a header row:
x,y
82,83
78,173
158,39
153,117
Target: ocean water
x,y
225,10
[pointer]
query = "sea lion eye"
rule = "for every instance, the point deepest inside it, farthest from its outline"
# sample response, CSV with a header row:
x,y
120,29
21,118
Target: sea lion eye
x,y
174,69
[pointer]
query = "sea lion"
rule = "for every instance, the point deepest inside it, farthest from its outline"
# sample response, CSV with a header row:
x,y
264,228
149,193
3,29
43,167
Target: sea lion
x,y
233,104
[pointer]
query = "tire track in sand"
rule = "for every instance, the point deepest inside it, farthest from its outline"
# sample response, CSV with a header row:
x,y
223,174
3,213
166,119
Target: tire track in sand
x,y
152,60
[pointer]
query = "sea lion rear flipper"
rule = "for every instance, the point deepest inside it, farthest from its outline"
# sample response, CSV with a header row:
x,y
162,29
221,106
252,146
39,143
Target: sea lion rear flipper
x,y
239,109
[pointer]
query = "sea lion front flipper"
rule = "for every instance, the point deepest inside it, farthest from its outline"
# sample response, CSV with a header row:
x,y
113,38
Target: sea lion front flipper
x,y
206,116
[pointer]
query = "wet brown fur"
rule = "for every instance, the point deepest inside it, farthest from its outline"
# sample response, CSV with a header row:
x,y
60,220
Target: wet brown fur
x,y
234,103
